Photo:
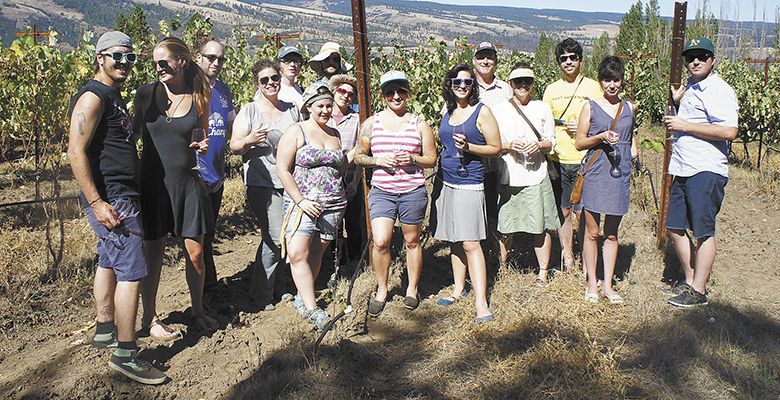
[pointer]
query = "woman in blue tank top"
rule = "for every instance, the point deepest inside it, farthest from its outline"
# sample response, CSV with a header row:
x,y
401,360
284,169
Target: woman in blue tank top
x,y
606,187
468,133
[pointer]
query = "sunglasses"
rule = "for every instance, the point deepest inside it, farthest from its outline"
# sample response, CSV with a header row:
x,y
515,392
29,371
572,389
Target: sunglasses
x,y
572,57
333,58
322,90
523,81
164,65
458,82
389,92
264,80
292,60
345,92
214,57
702,57
118,56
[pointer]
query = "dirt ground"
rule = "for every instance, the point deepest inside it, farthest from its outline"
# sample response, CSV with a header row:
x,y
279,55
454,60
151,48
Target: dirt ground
x,y
44,351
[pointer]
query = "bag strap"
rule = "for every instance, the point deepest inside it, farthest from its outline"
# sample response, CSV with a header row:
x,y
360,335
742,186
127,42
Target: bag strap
x,y
572,97
522,114
612,127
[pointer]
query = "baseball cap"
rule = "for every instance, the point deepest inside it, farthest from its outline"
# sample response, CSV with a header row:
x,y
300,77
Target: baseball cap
x,y
111,39
699,43
485,46
316,91
392,76
287,50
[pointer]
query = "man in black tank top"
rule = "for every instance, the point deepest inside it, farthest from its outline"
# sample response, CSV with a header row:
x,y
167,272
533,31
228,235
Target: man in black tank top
x,y
102,154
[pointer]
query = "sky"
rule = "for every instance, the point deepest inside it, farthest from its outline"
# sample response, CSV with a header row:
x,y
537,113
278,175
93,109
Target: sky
x,y
732,8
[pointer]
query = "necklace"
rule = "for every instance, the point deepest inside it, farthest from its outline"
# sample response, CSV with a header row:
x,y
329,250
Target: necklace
x,y
168,118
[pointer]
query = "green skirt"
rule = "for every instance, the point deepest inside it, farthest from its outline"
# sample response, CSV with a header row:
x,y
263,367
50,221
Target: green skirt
x,y
528,209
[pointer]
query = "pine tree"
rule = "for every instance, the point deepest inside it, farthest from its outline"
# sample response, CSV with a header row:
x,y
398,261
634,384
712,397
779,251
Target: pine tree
x,y
545,53
632,38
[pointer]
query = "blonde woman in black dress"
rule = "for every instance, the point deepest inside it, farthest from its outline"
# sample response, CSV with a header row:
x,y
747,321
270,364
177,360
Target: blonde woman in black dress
x,y
174,198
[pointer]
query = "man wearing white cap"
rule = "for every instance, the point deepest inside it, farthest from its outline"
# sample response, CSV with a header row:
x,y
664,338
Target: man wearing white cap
x,y
103,157
290,60
328,62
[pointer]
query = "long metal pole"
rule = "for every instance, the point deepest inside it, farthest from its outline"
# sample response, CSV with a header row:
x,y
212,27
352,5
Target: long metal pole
x,y
362,64
675,78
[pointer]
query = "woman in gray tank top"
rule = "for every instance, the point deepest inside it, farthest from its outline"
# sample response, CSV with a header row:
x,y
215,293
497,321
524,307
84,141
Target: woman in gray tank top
x,y
256,133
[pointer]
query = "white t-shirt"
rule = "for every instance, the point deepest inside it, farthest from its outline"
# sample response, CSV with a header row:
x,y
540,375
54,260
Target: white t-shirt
x,y
291,94
711,101
512,126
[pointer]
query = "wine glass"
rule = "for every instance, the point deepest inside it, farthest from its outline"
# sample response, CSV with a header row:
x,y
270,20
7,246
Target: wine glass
x,y
198,135
614,139
460,132
671,111
526,158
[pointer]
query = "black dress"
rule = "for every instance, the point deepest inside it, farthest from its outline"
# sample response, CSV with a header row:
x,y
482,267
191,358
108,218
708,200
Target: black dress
x,y
174,198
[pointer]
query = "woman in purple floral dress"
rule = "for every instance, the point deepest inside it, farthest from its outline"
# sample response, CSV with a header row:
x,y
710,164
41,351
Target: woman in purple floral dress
x,y
310,163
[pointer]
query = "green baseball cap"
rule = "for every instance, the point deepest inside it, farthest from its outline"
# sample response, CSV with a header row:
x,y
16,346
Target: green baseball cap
x,y
699,43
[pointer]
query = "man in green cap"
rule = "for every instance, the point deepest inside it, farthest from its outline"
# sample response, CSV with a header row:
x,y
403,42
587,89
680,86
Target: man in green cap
x,y
705,123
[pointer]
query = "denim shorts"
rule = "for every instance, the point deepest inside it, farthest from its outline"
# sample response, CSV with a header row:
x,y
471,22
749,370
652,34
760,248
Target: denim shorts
x,y
122,248
694,202
563,186
408,207
326,225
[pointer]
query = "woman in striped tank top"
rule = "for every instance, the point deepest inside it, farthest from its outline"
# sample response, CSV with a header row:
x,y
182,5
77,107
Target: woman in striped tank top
x,y
401,145
468,133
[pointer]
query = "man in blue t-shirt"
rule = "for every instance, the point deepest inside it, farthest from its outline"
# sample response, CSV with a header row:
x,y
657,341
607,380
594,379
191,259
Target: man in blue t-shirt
x,y
211,59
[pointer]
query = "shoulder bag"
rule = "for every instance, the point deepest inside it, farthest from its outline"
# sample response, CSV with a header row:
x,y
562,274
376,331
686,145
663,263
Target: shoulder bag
x,y
576,192
552,172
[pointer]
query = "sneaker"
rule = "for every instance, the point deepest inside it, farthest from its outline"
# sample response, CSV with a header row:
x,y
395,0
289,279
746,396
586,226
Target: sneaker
x,y
675,290
299,307
142,371
104,340
318,317
689,298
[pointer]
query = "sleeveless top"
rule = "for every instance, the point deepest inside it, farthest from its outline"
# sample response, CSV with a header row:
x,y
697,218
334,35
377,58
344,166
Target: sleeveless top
x,y
317,174
112,155
602,193
260,161
472,171
384,143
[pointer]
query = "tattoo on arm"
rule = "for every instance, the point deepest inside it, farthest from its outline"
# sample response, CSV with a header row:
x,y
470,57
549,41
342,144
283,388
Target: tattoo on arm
x,y
82,121
363,146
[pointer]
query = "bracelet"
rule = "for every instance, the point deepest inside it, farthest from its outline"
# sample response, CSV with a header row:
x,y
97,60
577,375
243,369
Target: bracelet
x,y
300,201
95,201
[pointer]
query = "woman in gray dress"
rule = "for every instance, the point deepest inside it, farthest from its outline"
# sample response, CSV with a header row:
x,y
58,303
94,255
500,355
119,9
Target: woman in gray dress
x,y
170,114
606,185
256,133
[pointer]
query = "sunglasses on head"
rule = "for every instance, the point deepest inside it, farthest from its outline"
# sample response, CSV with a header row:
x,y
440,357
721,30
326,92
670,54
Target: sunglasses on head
x,y
391,91
564,58
523,81
118,56
264,80
702,57
345,92
214,57
458,82
323,90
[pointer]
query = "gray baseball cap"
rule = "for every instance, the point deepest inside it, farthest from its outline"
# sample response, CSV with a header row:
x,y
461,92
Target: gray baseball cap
x,y
287,50
111,39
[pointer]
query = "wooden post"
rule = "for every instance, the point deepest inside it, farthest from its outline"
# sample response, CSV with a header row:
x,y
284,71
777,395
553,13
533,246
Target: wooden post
x,y
362,64
675,78
36,34
277,38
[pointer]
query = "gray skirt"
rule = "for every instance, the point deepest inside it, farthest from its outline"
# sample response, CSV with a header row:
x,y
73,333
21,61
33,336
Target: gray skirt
x,y
458,215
